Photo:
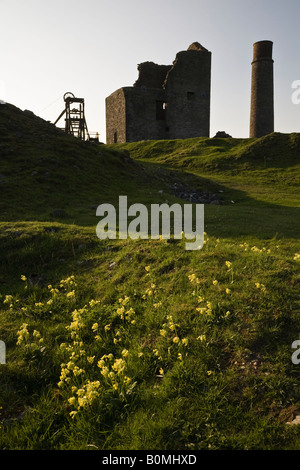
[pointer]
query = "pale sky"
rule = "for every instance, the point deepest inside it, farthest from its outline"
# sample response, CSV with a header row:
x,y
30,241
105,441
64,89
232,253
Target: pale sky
x,y
92,47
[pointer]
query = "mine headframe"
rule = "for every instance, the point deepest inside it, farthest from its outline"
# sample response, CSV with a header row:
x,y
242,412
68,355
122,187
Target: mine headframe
x,y
75,123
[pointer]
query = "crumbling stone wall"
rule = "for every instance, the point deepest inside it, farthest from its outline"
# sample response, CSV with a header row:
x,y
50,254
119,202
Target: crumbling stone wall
x,y
116,117
188,94
166,101
151,75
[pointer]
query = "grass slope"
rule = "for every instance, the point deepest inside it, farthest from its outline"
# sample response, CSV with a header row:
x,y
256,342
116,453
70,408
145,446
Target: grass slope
x,y
140,344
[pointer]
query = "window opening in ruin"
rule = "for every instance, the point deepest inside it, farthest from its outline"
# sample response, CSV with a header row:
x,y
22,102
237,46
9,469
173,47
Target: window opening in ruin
x,y
190,95
161,107
115,137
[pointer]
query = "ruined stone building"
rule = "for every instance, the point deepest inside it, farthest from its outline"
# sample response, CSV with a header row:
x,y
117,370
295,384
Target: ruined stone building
x,y
166,101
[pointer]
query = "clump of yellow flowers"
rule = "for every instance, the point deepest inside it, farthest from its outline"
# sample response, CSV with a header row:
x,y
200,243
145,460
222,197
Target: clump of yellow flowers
x,y
96,358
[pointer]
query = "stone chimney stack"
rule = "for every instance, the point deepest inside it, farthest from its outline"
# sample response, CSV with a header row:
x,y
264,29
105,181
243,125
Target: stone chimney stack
x,y
262,90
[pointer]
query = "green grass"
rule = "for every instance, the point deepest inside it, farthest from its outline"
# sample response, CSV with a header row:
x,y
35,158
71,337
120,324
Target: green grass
x,y
168,349
247,168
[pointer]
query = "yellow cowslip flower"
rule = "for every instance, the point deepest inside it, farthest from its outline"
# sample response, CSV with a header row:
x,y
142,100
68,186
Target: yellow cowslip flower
x,y
71,294
77,371
23,278
228,291
201,309
95,326
8,299
179,356
50,302
200,299
193,278
147,268
227,314
118,366
73,414
209,372
23,333
69,281
120,312
163,333
130,312
71,365
93,302
101,363
54,291
201,338
157,305
72,400
228,264
176,340
215,282
185,341
125,352
140,354
161,371
257,285
64,373
36,334
297,257
107,328
97,338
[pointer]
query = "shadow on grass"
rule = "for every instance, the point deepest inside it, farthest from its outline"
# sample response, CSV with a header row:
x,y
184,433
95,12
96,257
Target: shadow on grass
x,y
238,215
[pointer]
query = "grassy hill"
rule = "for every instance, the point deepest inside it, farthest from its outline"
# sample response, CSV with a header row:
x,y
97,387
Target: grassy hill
x,y
140,344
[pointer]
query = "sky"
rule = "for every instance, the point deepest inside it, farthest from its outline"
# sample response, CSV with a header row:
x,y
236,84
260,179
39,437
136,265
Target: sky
x,y
92,47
